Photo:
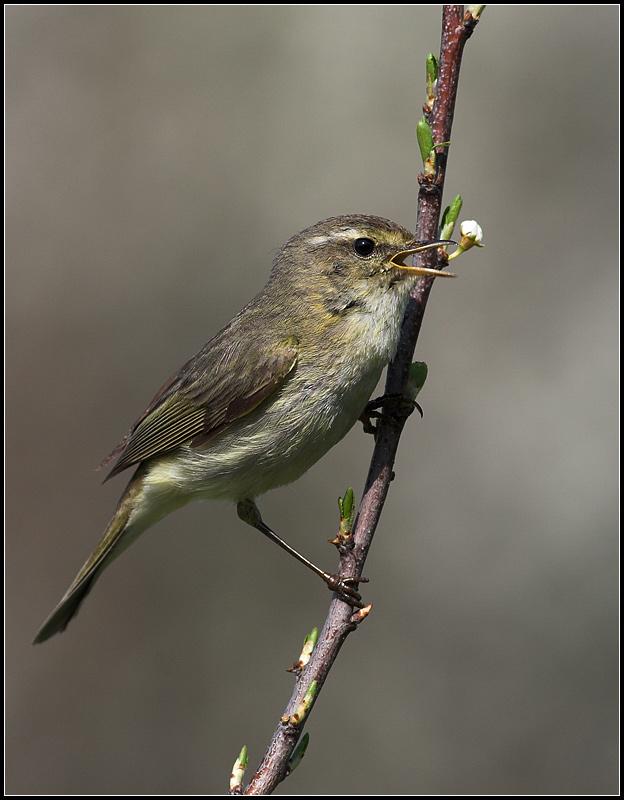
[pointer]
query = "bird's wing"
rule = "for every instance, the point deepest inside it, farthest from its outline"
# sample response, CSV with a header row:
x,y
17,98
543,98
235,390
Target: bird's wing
x,y
221,384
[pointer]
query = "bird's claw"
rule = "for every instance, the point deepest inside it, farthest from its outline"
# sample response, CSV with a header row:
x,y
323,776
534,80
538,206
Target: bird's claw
x,y
398,407
346,589
366,418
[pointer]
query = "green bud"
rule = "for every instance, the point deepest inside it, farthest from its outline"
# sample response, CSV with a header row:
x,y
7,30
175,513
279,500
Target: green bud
x,y
416,379
298,753
432,76
312,638
424,134
432,70
305,705
238,771
450,217
347,504
310,695
475,11
309,643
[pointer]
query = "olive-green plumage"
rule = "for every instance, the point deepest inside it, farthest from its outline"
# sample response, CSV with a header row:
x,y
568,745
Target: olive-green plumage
x,y
270,393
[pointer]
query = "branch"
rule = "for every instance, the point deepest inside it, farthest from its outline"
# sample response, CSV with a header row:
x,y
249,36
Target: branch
x,y
341,620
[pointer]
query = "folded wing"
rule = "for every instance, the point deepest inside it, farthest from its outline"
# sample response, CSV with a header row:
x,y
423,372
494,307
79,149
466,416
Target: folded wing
x,y
221,384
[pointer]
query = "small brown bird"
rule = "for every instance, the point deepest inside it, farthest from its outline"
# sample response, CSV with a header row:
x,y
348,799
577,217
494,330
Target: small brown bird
x,y
269,395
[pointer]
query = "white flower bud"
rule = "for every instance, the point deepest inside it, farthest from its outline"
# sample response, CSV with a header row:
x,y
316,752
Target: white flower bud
x,y
471,236
471,230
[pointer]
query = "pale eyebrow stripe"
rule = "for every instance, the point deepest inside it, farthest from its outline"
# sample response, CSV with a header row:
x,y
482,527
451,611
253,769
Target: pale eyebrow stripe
x,y
348,234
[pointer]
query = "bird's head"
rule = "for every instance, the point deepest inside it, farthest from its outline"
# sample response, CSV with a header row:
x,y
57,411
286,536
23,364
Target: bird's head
x,y
352,262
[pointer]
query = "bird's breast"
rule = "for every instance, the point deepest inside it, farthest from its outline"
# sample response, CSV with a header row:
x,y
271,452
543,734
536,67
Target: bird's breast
x,y
318,404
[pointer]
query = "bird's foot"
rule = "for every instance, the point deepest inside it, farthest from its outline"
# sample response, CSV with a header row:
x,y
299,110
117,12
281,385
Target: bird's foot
x,y
396,406
366,418
346,589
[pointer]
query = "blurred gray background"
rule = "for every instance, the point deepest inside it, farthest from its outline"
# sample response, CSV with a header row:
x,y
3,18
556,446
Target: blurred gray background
x,y
156,158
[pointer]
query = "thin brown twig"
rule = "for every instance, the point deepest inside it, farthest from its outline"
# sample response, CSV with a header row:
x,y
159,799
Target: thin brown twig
x,y
341,620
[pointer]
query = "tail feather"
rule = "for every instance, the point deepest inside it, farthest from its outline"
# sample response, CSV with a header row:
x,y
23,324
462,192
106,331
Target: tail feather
x,y
107,549
65,611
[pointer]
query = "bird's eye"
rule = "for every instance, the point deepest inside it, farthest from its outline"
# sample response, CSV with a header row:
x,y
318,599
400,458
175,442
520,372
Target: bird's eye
x,y
363,246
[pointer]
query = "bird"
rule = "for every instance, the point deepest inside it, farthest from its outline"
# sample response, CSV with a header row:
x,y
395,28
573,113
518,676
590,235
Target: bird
x,y
270,393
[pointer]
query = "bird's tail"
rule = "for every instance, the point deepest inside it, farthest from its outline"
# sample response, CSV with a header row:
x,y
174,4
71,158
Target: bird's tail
x,y
117,537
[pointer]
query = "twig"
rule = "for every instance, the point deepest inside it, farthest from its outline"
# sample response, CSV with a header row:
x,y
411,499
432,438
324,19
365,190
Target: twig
x,y
341,620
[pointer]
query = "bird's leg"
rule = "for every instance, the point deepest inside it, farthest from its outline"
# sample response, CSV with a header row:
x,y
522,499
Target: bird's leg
x,y
397,406
345,588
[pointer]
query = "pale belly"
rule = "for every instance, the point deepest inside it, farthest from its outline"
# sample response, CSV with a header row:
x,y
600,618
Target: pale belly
x,y
272,446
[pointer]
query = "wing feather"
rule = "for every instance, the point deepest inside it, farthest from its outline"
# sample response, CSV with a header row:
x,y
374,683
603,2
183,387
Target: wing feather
x,y
212,390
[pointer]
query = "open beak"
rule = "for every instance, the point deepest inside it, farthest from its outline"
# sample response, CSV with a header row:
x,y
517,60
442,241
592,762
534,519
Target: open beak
x,y
398,259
